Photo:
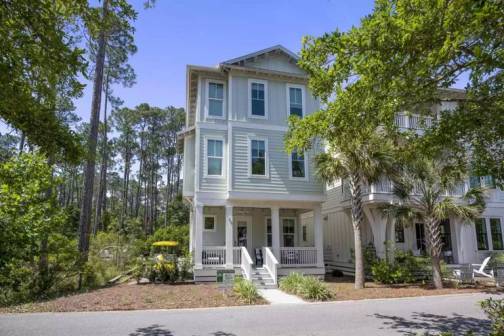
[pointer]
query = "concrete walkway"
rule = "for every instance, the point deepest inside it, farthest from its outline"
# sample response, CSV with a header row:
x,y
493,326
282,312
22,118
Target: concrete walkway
x,y
276,296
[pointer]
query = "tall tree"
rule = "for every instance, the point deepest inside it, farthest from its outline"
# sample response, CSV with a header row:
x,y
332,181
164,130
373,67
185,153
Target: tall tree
x,y
114,13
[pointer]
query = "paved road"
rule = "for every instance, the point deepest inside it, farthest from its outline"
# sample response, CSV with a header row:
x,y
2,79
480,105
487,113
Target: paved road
x,y
373,317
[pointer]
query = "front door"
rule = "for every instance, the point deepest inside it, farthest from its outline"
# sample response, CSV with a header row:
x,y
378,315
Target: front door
x,y
243,231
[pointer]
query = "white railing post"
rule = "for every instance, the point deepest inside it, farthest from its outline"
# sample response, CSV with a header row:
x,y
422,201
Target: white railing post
x,y
319,237
214,255
198,236
271,264
229,236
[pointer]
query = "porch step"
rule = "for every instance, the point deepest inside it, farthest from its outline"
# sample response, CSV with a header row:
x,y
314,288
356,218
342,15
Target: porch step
x,y
262,279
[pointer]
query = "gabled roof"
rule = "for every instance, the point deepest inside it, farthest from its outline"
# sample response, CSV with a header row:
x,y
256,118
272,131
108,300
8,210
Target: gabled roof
x,y
275,49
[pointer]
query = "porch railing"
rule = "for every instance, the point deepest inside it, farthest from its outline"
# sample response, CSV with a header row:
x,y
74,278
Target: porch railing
x,y
246,263
213,255
298,256
237,255
270,263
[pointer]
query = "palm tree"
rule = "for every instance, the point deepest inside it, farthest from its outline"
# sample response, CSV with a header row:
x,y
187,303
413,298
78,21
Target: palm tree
x,y
359,163
421,194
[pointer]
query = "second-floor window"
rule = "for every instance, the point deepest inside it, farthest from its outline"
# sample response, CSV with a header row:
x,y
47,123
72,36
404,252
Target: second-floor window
x,y
258,157
295,102
496,230
298,165
215,100
214,157
258,99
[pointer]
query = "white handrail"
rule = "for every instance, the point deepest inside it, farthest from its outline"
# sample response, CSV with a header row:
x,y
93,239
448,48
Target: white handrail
x,y
246,263
270,263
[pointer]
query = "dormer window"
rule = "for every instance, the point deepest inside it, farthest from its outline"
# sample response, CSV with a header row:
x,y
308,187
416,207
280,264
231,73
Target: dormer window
x,y
215,106
295,100
258,105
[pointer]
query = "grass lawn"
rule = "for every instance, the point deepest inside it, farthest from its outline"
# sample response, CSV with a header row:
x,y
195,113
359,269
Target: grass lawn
x,y
133,296
343,289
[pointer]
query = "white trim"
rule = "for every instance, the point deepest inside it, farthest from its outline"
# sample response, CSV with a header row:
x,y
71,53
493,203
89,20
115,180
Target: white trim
x,y
266,231
241,124
249,97
303,98
276,196
266,157
295,178
489,232
198,102
212,126
207,98
214,226
263,51
205,155
230,136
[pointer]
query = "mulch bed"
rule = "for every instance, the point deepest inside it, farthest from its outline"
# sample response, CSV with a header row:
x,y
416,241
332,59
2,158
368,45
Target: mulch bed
x,y
343,289
133,297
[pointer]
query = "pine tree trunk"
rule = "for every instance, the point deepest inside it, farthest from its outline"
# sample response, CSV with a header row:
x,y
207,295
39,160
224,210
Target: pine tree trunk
x,y
103,169
87,201
357,216
435,247
22,143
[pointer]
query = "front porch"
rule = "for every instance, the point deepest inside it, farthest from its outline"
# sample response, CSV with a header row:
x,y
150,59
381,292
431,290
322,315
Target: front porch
x,y
276,240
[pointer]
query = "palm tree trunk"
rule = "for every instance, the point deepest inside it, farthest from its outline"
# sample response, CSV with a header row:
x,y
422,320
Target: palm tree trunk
x,y
357,216
87,201
435,245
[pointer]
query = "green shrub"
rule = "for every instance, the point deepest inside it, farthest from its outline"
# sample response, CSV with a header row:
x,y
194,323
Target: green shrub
x,y
494,309
313,289
391,273
496,260
291,282
246,290
307,287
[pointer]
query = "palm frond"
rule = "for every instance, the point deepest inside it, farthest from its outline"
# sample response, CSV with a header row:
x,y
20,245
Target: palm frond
x,y
330,167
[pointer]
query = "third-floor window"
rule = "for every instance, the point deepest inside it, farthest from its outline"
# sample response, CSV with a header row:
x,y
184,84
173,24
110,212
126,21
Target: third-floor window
x,y
295,102
215,100
258,107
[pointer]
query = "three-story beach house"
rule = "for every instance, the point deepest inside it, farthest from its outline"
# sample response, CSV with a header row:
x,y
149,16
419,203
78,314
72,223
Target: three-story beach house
x,y
255,208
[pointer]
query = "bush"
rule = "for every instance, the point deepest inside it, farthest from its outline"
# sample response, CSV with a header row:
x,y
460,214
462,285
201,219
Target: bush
x,y
494,309
496,260
245,290
307,287
391,273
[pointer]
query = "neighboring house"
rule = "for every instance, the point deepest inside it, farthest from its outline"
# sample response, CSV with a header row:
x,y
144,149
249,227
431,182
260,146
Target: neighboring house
x,y
249,197
463,242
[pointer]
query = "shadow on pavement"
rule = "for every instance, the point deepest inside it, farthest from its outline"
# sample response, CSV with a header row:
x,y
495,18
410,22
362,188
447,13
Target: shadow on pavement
x,y
432,323
158,330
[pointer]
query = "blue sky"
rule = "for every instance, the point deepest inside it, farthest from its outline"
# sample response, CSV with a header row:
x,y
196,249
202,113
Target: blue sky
x,y
205,32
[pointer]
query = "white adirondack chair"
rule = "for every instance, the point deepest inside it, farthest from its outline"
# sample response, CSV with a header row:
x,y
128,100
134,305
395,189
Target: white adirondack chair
x,y
479,269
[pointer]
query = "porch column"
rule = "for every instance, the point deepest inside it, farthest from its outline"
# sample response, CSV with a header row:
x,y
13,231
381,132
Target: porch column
x,y
275,231
229,236
318,234
191,230
198,235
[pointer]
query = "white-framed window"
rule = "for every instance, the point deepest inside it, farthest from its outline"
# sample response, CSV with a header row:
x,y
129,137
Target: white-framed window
x,y
289,232
215,103
295,100
258,98
214,157
298,166
209,223
269,232
489,233
258,157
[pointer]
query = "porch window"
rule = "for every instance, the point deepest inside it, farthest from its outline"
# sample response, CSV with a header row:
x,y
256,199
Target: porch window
x,y
258,157
214,157
446,234
209,223
296,101
305,236
298,168
420,237
399,233
257,99
496,230
288,229
215,99
481,233
269,235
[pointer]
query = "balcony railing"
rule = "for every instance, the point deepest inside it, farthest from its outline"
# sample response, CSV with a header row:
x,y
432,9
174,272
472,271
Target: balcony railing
x,y
412,121
298,256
